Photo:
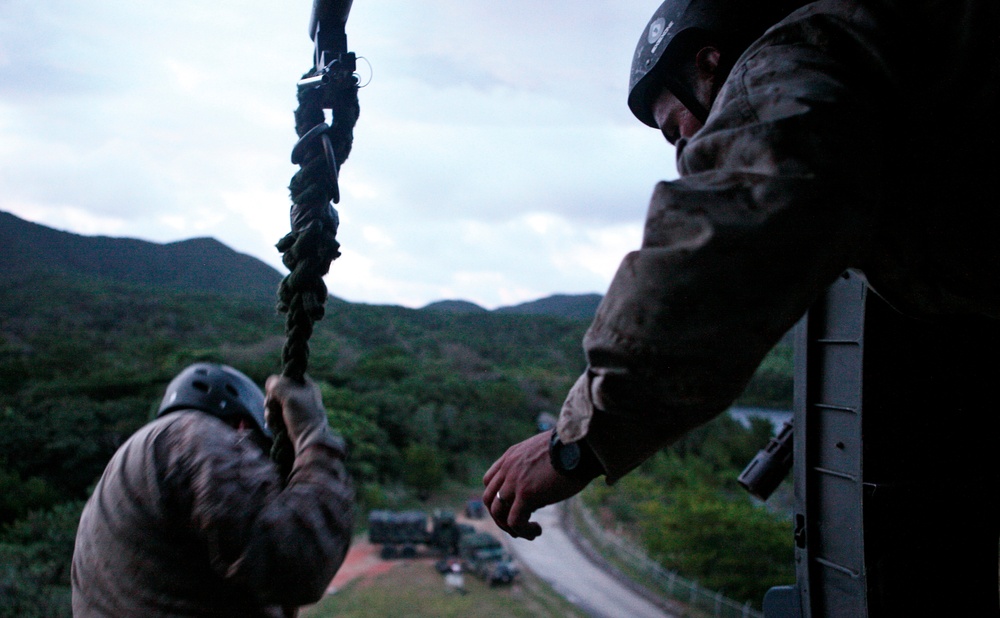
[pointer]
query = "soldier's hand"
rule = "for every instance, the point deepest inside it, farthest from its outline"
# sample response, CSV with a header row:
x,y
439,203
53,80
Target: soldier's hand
x,y
523,481
301,408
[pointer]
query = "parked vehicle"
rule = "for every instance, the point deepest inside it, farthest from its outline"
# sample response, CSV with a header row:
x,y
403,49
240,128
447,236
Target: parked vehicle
x,y
401,533
482,554
474,509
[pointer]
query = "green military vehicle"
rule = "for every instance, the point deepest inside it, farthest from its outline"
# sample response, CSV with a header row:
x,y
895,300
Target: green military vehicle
x,y
482,554
402,533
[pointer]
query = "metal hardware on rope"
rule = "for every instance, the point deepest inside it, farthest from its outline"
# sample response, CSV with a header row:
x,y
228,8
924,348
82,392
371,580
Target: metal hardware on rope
x,y
319,132
311,246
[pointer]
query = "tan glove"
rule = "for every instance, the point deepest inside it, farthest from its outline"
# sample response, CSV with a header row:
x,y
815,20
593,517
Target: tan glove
x,y
301,408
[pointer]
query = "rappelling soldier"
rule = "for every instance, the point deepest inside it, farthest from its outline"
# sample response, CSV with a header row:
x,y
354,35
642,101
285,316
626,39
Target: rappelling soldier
x,y
191,517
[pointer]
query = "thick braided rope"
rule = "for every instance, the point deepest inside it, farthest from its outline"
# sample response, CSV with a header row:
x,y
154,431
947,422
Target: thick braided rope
x,y
311,246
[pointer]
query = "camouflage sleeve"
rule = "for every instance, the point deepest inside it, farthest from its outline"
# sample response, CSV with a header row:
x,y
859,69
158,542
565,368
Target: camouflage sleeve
x,y
283,545
778,196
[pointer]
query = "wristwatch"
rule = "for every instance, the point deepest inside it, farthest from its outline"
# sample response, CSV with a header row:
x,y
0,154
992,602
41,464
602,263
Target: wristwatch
x,y
573,459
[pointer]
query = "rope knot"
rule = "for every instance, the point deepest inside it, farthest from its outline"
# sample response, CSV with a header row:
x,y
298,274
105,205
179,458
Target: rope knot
x,y
311,246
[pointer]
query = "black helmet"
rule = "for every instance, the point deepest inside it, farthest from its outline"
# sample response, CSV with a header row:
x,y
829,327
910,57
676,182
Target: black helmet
x,y
678,25
218,390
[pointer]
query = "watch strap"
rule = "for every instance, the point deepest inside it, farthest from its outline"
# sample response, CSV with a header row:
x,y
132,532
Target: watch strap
x,y
588,466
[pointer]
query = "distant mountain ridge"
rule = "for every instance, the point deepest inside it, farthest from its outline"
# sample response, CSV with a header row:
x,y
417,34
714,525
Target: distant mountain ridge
x,y
576,306
454,306
573,306
197,264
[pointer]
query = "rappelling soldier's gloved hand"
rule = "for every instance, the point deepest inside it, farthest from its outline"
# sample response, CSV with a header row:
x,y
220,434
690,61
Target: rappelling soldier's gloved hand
x,y
301,407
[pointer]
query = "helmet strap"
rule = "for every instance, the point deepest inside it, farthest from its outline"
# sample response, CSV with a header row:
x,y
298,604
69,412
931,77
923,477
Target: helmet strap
x,y
685,94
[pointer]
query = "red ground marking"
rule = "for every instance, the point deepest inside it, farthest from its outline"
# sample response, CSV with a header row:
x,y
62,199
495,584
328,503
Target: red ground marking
x,y
362,561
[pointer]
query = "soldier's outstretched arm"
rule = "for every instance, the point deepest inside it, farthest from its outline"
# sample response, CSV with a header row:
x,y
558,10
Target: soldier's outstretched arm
x,y
523,481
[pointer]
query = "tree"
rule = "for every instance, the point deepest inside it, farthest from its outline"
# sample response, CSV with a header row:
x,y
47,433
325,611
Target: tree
x,y
35,557
18,497
728,545
424,469
370,456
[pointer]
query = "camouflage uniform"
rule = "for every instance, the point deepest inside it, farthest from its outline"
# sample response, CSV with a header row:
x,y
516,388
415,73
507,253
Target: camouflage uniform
x,y
850,135
190,519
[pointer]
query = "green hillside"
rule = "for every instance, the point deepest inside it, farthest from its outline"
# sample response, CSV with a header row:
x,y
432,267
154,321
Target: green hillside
x,y
420,395
572,306
197,264
84,361
578,306
467,384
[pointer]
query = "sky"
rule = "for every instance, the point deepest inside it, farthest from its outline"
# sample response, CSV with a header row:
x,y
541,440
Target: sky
x,y
495,159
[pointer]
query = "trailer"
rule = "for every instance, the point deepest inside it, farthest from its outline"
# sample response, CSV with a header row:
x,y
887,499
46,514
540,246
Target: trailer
x,y
403,533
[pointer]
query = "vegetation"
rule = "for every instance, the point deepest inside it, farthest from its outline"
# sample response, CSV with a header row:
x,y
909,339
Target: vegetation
x,y
685,508
422,398
416,590
35,565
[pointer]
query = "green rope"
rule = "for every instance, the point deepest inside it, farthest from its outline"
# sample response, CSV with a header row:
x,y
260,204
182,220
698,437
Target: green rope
x,y
311,246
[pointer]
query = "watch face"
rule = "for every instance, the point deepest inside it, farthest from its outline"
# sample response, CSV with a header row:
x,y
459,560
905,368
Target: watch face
x,y
569,456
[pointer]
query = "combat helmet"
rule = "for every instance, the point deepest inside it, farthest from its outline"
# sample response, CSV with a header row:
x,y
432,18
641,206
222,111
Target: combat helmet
x,y
679,25
218,390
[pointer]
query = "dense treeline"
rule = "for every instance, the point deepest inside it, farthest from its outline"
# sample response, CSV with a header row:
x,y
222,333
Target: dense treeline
x,y
685,507
420,396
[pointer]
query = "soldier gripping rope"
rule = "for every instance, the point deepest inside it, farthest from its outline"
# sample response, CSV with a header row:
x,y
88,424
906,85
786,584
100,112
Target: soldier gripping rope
x,y
191,517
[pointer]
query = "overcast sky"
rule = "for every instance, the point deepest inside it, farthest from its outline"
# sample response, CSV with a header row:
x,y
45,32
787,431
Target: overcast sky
x,y
495,159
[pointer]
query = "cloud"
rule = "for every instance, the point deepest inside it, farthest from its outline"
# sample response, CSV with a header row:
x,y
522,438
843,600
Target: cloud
x,y
494,160
490,263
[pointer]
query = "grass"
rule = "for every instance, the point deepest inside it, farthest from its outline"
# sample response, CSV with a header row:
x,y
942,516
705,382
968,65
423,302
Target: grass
x,y
416,590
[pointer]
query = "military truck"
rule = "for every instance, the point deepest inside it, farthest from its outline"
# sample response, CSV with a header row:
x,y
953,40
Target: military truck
x,y
402,533
482,554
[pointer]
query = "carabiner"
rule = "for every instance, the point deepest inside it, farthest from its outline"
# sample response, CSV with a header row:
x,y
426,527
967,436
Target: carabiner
x,y
305,145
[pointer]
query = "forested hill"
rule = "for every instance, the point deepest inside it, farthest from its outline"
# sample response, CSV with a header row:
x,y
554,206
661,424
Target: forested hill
x,y
573,306
198,264
87,347
193,265
85,358
93,329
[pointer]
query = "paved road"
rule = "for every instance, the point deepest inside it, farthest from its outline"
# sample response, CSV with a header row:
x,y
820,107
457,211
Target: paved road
x,y
555,558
